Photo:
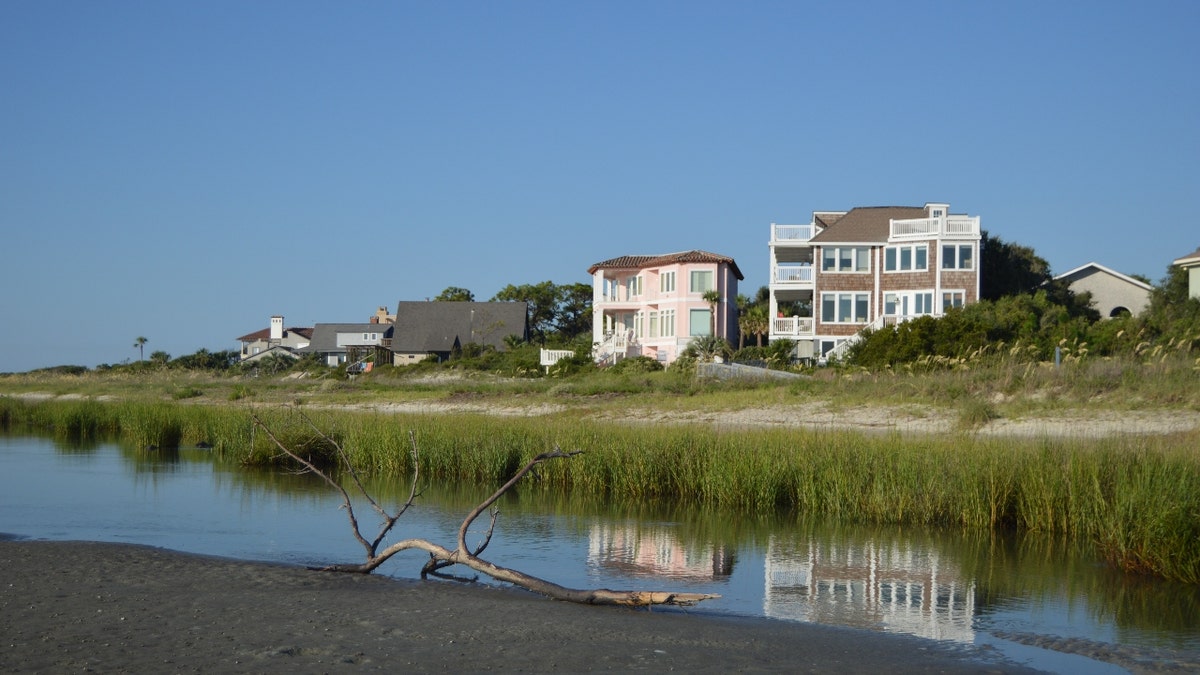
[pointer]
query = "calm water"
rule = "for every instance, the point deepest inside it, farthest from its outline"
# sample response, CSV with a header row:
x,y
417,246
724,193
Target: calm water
x,y
1038,601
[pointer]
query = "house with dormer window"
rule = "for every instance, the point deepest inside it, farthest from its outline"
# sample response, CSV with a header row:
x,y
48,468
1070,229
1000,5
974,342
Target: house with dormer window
x,y
868,267
655,305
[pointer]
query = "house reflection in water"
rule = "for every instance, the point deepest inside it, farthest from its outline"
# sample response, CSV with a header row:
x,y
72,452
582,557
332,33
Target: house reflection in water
x,y
881,585
638,550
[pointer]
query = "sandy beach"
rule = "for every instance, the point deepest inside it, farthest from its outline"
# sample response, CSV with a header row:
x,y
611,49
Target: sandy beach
x,y
99,607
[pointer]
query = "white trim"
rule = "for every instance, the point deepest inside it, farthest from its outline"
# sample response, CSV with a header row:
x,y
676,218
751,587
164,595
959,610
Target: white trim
x,y
1141,284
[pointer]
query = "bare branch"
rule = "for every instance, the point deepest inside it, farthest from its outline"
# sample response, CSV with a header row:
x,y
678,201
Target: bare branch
x,y
313,468
441,557
553,454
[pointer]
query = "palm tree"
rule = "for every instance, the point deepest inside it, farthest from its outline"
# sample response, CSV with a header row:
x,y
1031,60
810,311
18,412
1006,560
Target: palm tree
x,y
140,345
712,297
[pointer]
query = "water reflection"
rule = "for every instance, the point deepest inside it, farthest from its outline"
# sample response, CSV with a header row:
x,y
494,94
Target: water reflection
x,y
953,586
633,549
893,583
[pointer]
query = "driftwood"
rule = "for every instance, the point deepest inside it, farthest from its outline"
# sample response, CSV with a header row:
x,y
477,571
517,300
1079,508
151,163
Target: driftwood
x,y
441,557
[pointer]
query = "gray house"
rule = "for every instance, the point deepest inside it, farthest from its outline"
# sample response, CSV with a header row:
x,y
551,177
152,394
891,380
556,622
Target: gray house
x,y
1191,263
1113,293
339,343
425,329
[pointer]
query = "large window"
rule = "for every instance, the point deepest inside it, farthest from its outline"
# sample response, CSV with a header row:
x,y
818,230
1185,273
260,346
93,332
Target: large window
x,y
846,259
635,287
911,258
845,307
699,322
701,281
653,324
666,282
668,323
958,257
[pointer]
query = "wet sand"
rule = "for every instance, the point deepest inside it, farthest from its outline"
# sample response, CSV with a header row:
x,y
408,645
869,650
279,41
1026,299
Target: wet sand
x,y
97,607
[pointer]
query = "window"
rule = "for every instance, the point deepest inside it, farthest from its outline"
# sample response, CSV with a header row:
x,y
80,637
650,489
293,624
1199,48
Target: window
x,y
374,336
635,287
702,281
958,256
653,324
952,299
668,323
699,322
846,259
845,307
639,328
666,282
907,304
911,258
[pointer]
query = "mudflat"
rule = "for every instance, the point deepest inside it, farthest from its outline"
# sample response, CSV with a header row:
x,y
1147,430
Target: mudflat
x,y
100,607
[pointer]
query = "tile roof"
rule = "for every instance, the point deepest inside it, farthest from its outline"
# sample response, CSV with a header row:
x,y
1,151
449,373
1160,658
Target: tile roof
x,y
866,224
644,261
265,334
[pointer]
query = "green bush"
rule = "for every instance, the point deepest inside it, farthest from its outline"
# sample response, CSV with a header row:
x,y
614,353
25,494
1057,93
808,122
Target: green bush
x,y
637,364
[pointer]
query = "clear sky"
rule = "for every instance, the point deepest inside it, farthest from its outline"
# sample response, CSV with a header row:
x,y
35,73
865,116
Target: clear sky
x,y
184,170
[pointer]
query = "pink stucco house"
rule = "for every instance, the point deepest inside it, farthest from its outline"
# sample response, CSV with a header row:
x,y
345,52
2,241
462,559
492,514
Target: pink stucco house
x,y
653,305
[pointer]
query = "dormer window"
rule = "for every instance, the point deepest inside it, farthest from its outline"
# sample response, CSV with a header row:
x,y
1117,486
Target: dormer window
x,y
937,213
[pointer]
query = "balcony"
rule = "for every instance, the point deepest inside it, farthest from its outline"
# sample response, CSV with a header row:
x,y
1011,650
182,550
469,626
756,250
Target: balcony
x,y
791,234
950,227
792,275
792,327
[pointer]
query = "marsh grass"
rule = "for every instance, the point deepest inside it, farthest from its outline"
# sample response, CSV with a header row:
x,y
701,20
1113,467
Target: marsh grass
x,y
1136,498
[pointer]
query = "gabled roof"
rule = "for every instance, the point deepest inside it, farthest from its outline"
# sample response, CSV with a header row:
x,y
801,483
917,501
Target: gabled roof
x,y
265,334
865,224
324,336
638,262
1189,260
1093,267
423,327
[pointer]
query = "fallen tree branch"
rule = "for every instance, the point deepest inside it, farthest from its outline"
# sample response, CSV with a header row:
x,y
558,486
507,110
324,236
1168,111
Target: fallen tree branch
x,y
441,557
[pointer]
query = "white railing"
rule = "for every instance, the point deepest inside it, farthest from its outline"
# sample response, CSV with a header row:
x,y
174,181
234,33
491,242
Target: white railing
x,y
614,348
951,227
791,326
553,356
791,233
793,274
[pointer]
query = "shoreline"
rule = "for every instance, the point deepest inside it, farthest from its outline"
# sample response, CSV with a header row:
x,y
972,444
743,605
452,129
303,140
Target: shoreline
x,y
128,608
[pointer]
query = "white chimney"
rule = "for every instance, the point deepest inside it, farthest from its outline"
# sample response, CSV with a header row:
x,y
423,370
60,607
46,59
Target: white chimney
x,y
277,328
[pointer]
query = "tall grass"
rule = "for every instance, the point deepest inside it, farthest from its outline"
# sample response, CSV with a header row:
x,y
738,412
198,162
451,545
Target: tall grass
x,y
1136,498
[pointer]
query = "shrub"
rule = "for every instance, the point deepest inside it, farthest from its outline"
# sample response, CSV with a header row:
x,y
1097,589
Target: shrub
x,y
637,364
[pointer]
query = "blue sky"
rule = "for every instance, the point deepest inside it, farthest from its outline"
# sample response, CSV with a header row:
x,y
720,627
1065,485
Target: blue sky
x,y
184,170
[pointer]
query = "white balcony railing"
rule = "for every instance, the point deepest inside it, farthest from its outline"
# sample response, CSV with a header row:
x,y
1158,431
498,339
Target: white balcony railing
x,y
792,274
950,227
792,326
793,234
